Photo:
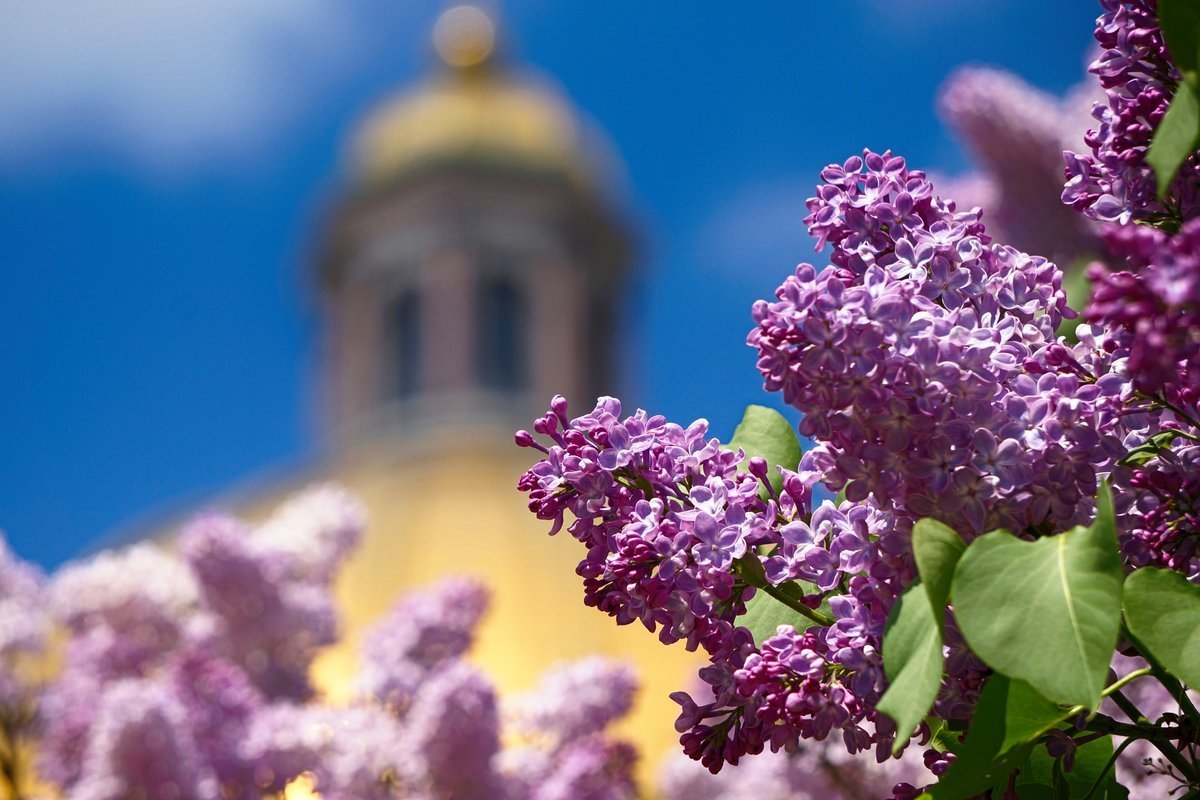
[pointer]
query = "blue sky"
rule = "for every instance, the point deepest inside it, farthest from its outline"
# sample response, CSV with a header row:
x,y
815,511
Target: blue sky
x,y
164,167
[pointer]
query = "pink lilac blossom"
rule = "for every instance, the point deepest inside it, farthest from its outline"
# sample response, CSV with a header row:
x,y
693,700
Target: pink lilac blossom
x,y
314,530
1017,134
24,630
423,632
1114,183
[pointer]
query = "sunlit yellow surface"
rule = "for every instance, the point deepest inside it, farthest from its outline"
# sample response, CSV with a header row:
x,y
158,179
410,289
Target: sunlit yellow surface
x,y
451,507
488,114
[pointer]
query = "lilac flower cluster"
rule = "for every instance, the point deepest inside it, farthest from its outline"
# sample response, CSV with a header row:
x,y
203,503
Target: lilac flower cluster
x,y
1155,301
1017,134
668,521
662,511
563,753
1114,183
811,772
421,633
184,676
915,358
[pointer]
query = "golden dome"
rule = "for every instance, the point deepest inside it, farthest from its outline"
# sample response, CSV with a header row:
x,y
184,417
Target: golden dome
x,y
474,111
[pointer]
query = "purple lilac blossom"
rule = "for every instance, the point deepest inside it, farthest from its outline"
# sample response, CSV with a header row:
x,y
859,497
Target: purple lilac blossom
x,y
451,736
126,608
1155,302
220,703
645,562
267,623
573,700
422,632
141,745
813,772
351,754
590,769
925,362
1113,183
1017,133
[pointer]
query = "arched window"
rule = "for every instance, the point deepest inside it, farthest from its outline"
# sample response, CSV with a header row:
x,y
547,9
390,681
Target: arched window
x,y
501,350
404,343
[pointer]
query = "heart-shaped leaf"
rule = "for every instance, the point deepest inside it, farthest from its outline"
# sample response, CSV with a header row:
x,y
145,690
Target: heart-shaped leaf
x,y
1047,611
1163,610
764,432
912,641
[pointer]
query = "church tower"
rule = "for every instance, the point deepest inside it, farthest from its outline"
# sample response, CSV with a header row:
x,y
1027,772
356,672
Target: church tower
x,y
473,269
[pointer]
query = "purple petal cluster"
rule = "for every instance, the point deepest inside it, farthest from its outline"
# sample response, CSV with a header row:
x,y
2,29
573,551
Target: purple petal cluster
x,y
423,632
1113,183
451,736
1155,302
1017,134
664,524
663,512
807,685
257,616
925,362
572,700
810,772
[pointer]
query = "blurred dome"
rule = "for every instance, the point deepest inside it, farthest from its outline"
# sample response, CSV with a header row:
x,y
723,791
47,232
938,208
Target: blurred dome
x,y
473,110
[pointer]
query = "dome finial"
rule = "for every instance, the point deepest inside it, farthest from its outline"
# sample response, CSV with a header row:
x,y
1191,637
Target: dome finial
x,y
465,36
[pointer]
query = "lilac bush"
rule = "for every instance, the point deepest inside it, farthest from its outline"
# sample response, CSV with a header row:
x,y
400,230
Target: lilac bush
x,y
184,676
1015,508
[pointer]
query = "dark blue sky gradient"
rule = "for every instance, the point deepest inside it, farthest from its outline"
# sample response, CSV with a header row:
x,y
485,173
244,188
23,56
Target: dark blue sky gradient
x,y
157,327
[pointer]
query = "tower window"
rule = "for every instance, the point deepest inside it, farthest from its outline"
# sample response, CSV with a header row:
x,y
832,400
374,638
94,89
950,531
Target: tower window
x,y
502,347
404,343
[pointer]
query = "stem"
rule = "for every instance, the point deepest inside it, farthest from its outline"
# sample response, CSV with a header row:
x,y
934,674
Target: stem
x,y
1166,747
1131,677
1107,768
796,605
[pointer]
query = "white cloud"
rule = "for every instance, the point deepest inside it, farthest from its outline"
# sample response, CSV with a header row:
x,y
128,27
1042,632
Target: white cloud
x,y
170,83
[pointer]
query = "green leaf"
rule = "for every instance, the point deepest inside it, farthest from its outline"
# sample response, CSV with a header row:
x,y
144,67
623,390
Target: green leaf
x,y
912,661
912,641
1091,762
764,614
1150,449
764,432
1047,611
1179,21
937,549
1175,138
1009,718
1163,610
